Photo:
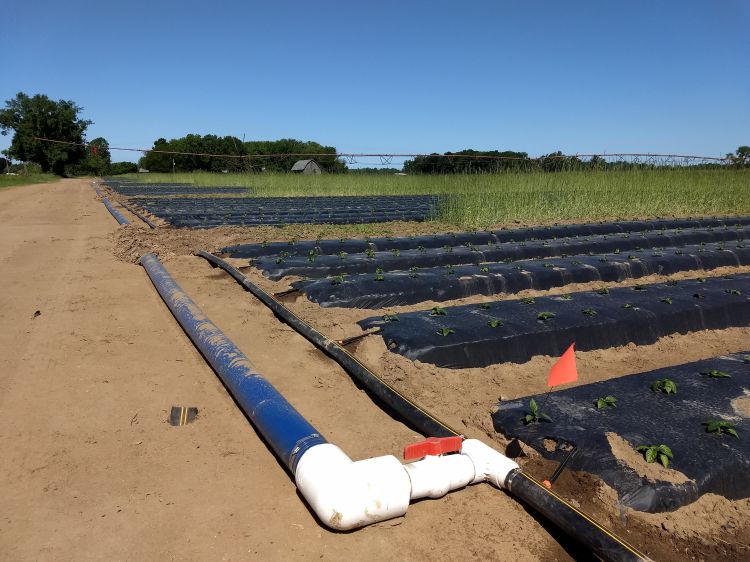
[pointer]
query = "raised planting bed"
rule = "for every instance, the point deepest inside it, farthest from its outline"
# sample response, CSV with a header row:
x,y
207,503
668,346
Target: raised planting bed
x,y
314,266
717,462
206,212
516,330
446,283
160,189
477,238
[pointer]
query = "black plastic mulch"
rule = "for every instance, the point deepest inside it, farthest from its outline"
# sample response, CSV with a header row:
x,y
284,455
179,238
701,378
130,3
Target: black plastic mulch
x,y
516,330
718,464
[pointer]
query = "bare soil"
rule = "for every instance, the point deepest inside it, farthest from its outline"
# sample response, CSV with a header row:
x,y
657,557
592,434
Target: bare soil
x,y
92,470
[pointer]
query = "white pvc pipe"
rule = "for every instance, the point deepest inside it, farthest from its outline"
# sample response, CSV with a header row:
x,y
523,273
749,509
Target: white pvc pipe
x,y
346,495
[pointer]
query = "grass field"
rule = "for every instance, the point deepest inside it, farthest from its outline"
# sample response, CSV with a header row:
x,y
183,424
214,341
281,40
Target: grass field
x,y
9,181
485,200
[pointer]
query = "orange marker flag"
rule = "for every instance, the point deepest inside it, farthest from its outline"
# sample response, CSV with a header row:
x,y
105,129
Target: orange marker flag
x,y
564,370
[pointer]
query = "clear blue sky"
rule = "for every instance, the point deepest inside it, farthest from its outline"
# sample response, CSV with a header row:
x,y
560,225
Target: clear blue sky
x,y
537,76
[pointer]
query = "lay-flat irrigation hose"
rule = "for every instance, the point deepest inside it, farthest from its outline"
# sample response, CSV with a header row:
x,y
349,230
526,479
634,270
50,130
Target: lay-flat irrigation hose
x,y
114,212
141,216
601,541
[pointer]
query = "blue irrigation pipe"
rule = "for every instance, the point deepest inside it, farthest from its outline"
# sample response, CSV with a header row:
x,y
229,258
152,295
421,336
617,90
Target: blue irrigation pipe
x,y
286,431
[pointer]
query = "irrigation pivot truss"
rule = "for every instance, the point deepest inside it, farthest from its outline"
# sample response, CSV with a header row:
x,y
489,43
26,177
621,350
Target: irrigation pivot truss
x,y
551,161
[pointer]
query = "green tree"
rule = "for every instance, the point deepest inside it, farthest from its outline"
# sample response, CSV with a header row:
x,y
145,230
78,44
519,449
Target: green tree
x,y
97,161
123,168
33,117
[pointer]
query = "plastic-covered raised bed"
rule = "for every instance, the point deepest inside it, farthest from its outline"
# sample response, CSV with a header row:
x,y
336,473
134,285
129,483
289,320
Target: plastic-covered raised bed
x,y
710,462
481,238
517,330
317,266
447,283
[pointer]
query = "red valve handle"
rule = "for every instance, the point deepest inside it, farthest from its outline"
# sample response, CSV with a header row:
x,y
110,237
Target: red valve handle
x,y
433,446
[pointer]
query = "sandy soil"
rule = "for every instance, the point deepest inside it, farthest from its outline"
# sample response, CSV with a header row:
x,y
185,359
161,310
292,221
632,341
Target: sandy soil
x,y
92,470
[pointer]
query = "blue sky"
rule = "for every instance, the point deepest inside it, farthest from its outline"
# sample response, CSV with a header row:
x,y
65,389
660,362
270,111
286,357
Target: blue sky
x,y
535,76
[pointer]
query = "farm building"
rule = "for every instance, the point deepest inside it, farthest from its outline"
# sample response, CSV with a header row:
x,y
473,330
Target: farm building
x,y
306,167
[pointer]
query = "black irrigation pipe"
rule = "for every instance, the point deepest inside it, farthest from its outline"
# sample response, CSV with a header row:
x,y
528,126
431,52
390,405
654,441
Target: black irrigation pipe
x,y
442,284
144,218
478,335
114,212
384,244
412,413
315,267
522,486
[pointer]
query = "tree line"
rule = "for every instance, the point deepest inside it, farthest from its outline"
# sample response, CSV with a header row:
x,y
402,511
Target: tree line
x,y
32,118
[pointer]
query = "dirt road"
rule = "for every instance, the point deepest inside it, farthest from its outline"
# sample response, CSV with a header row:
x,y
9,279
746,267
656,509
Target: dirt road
x,y
90,468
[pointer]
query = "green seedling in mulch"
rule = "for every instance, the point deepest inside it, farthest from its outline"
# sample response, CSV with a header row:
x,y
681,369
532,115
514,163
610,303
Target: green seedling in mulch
x,y
445,332
341,255
264,244
632,257
448,249
450,270
549,265
484,306
280,259
484,269
733,291
369,253
652,453
701,279
740,246
544,316
535,415
603,291
627,305
390,318
667,386
421,248
412,272
292,242
396,252
311,255
716,374
616,251
518,268
495,323
438,311
566,297
721,426
746,358
337,279
589,312
575,262
606,402
379,277
527,300
666,300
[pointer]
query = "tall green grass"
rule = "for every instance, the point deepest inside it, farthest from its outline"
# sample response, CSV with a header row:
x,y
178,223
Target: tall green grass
x,y
9,181
473,201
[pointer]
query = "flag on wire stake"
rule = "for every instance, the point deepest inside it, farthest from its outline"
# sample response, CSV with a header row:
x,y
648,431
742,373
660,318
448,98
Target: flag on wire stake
x,y
563,371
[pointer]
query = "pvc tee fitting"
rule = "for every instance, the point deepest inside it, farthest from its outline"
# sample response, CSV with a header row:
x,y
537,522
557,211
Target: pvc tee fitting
x,y
346,494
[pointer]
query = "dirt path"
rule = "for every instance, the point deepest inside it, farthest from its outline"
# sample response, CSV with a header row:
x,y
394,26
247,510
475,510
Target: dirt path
x,y
91,470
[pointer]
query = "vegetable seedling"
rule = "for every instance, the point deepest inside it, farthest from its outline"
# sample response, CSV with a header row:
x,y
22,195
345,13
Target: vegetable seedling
x,y
666,300
667,386
412,272
544,316
606,402
566,297
527,300
369,253
627,305
651,453
337,279
484,269
342,255
484,306
437,311
534,415
450,269
495,323
603,291
721,426
390,318
396,252
733,291
589,312
445,332
716,374
311,255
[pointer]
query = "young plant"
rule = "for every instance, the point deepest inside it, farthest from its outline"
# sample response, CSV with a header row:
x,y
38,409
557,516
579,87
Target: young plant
x,y
544,316
535,415
666,300
627,305
667,386
606,402
566,297
716,374
390,318
721,426
485,306
603,291
412,272
421,249
733,291
369,253
437,311
527,300
651,453
445,332
342,254
396,252
484,269
589,312
450,270
495,323
311,255
379,277
337,279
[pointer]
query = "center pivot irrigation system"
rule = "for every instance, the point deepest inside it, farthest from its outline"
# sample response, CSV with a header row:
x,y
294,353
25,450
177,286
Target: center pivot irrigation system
x,y
348,494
